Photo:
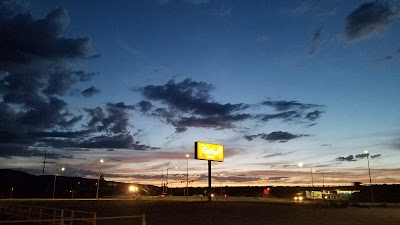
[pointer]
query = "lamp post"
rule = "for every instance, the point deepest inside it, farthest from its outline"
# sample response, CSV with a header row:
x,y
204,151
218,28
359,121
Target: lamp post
x,y
370,180
166,179
187,177
98,179
312,178
55,179
220,182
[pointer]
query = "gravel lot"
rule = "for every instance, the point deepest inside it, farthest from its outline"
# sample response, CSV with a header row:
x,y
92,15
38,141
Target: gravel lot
x,y
232,213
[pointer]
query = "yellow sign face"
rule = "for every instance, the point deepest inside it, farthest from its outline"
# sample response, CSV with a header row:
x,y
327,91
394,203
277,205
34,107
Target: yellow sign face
x,y
208,151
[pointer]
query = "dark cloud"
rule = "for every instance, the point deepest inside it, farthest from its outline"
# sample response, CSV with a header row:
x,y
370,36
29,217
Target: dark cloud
x,y
361,156
277,154
145,106
349,158
60,82
35,62
276,136
312,116
189,104
376,156
35,73
368,18
90,92
277,178
286,116
120,105
289,105
117,141
316,40
112,119
292,111
17,150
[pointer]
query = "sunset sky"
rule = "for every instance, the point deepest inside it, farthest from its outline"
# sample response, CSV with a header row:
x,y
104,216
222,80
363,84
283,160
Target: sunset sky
x,y
136,83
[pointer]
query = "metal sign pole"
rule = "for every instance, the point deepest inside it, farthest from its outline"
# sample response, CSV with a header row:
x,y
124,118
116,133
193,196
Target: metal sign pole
x,y
209,180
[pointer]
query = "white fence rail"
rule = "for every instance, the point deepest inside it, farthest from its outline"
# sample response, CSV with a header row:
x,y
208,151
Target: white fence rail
x,y
42,215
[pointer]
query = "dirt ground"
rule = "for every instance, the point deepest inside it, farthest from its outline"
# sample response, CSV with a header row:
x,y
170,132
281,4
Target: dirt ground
x,y
229,213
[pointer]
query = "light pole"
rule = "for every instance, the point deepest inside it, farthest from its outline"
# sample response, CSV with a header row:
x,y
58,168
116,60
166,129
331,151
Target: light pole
x,y
312,178
220,182
187,177
370,180
98,179
55,179
166,180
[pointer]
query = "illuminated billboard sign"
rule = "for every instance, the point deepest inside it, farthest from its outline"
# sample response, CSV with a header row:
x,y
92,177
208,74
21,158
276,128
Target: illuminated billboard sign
x,y
207,151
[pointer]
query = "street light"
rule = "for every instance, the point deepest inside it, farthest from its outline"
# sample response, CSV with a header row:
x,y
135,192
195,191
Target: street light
x,y
55,179
98,179
370,180
187,177
166,179
312,178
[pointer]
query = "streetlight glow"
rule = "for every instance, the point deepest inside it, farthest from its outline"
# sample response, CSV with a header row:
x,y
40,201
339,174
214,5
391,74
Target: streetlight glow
x,y
62,168
366,151
301,164
101,160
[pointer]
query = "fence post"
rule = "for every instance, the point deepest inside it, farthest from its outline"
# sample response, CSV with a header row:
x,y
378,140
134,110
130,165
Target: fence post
x,y
54,216
72,217
94,218
143,219
62,217
29,212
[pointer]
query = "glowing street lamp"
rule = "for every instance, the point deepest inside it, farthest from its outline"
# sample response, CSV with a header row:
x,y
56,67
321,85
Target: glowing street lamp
x,y
187,176
55,179
133,189
312,177
98,179
370,180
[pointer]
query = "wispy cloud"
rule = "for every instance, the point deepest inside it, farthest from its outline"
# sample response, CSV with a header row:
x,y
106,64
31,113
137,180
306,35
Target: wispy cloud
x,y
276,136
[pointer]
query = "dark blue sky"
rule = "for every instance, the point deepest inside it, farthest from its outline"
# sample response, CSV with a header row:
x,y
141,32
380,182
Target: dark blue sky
x,y
138,82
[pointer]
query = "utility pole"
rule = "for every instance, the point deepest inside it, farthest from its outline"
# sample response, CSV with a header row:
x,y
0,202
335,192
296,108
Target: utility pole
x,y
44,161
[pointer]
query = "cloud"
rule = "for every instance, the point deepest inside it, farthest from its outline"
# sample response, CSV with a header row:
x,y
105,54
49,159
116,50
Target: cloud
x,y
316,40
349,158
289,105
361,156
90,92
292,111
112,119
277,154
16,150
368,19
189,104
35,74
276,136
120,105
376,156
277,178
145,106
